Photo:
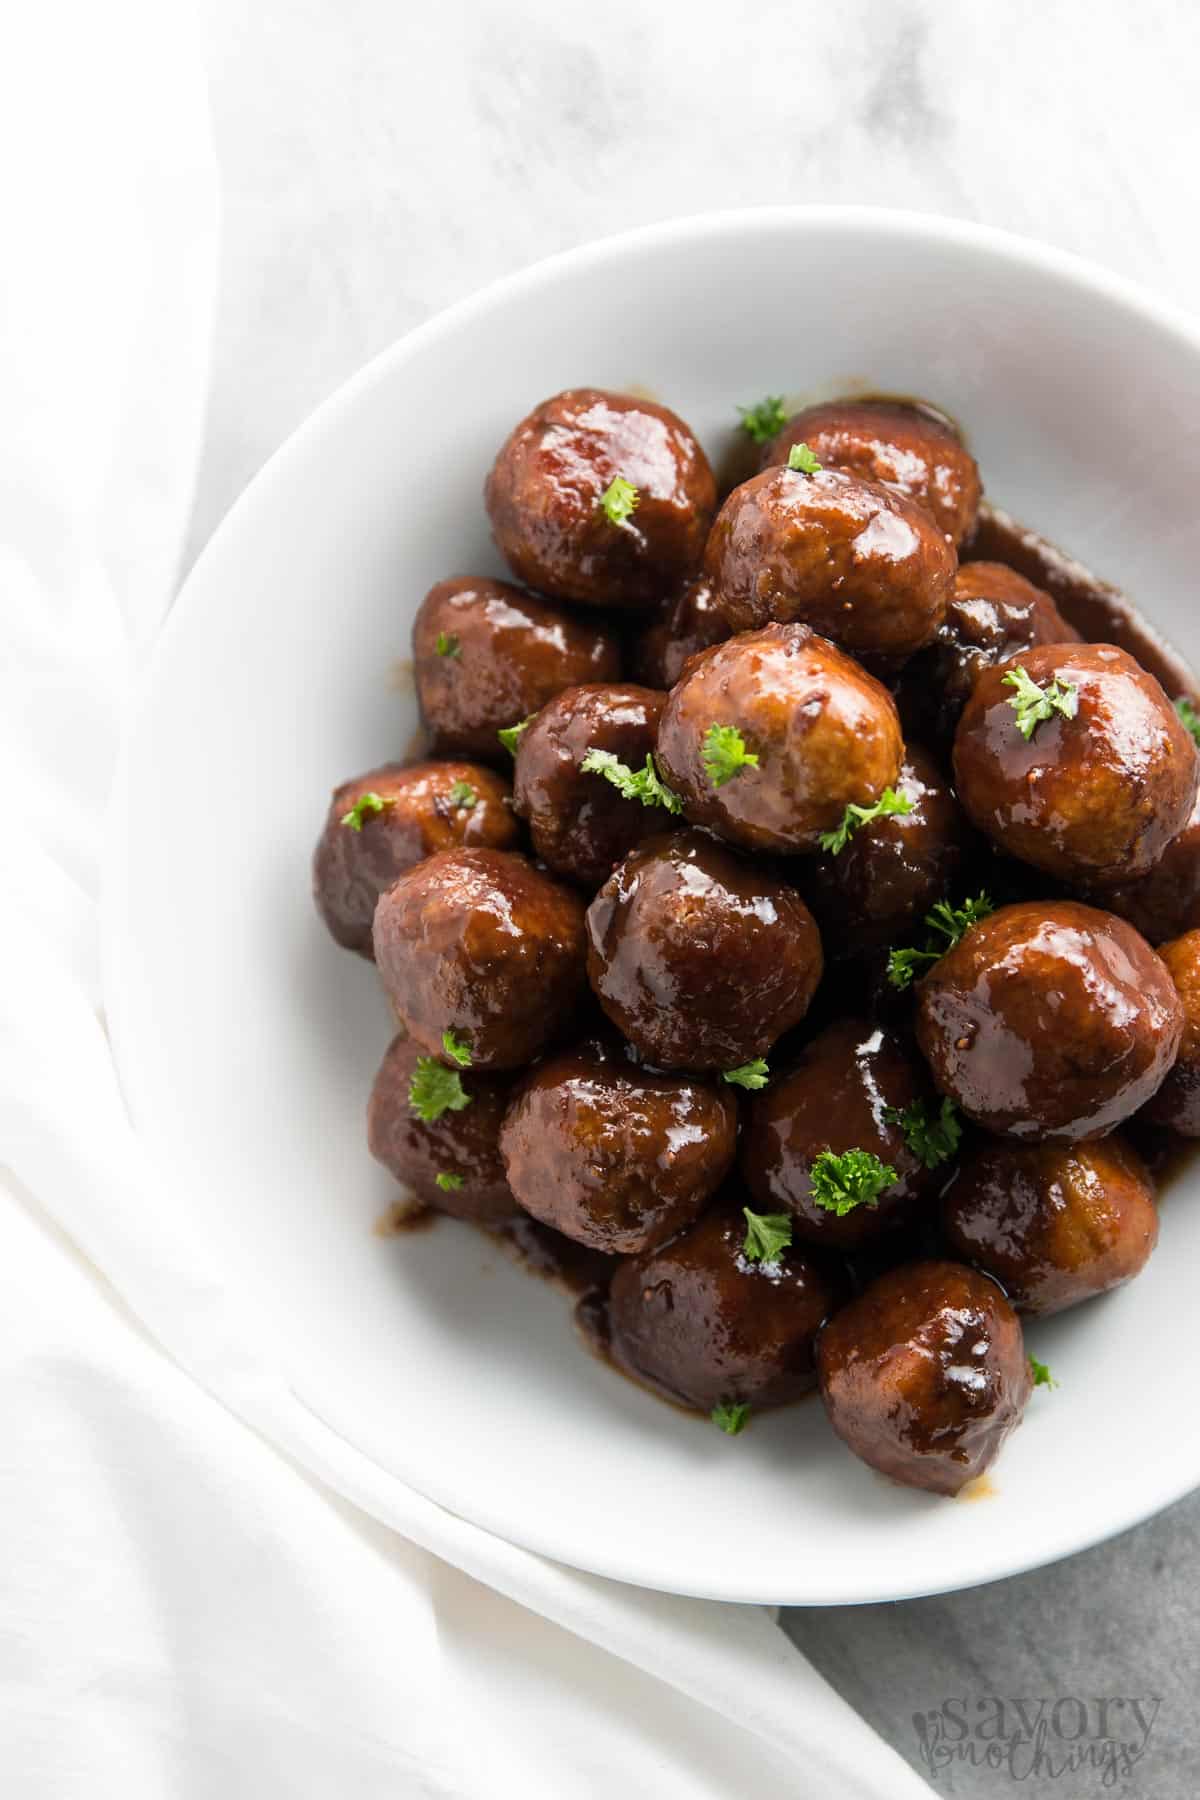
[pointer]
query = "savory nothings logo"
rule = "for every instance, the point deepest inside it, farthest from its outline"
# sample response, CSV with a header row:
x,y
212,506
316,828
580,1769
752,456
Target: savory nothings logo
x,y
1044,1736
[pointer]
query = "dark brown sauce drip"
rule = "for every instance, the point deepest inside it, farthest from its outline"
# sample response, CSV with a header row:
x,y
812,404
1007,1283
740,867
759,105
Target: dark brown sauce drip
x,y
403,1217
1101,612
554,1257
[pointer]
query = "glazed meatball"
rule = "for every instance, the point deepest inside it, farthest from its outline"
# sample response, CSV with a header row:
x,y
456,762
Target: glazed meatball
x,y
818,733
462,1145
700,958
1049,1022
691,622
1094,792
612,1155
480,944
994,614
1053,1223
421,809
924,1374
581,825
846,1092
702,1323
486,656
893,868
545,499
1177,1102
908,448
1165,902
855,560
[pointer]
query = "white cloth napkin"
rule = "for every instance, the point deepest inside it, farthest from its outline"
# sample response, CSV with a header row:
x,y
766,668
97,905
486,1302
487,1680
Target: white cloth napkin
x,y
202,1593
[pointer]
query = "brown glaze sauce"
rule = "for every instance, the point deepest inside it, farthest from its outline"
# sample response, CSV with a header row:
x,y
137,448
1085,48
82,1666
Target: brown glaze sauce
x,y
557,1259
1101,612
403,1217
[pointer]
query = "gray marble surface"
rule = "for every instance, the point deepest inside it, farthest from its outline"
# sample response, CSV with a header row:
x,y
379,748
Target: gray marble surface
x,y
381,159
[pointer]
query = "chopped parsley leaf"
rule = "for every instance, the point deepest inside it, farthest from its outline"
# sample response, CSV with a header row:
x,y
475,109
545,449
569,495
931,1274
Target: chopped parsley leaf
x,y
889,803
725,754
619,501
435,1089
1032,703
751,1075
767,1234
645,784
802,461
761,422
855,1178
367,806
934,1140
730,1415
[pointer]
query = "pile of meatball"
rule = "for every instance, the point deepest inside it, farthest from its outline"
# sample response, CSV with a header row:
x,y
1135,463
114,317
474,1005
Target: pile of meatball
x,y
788,910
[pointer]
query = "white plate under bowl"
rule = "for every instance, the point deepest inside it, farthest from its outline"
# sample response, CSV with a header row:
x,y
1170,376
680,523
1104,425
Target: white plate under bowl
x,y
247,1043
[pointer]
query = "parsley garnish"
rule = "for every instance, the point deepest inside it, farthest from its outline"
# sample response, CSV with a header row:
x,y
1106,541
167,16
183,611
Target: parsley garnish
x,y
945,922
510,737
889,802
934,1140
748,1074
457,1049
761,422
1190,717
766,1235
645,784
802,461
1041,1374
446,645
855,1178
730,1415
1032,703
725,754
367,806
449,1184
619,500
463,794
434,1089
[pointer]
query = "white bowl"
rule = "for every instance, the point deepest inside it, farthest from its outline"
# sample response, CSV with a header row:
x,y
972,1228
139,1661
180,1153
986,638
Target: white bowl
x,y
247,1043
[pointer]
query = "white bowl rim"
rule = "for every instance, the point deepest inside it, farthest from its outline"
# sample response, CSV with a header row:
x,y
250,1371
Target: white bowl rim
x,y
907,225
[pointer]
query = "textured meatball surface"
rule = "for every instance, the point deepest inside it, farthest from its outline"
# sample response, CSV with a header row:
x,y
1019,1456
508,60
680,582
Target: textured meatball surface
x,y
482,944
700,958
544,492
702,1323
824,733
1165,902
581,825
905,447
427,807
993,614
615,1156
1054,1223
689,622
894,868
841,1094
462,1145
1097,795
924,1374
1049,1021
856,561
502,655
1177,1102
